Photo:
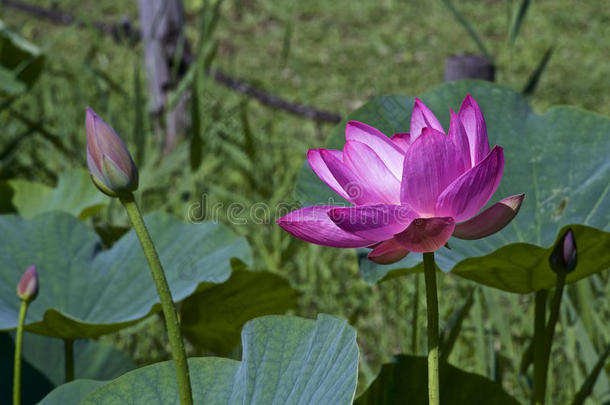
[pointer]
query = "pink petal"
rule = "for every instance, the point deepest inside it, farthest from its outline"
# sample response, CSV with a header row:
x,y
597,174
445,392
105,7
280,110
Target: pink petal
x,y
422,118
457,135
387,252
387,151
105,141
313,225
319,167
376,176
402,140
355,188
426,234
471,116
491,220
431,164
470,192
373,222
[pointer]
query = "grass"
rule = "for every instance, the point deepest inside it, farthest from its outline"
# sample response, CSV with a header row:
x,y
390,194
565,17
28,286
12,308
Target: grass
x,y
336,56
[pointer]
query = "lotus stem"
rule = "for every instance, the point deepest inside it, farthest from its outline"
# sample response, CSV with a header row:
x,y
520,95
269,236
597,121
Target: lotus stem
x,y
169,310
69,359
540,342
415,318
549,333
433,338
18,347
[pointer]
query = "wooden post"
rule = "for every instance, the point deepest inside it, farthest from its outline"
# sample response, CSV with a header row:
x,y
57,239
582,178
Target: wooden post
x,y
162,23
468,66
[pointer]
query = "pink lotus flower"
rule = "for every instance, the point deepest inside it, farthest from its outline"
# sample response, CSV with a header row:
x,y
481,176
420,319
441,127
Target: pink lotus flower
x,y
411,192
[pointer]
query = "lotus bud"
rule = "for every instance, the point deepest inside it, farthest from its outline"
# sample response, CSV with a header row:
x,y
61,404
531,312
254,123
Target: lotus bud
x,y
27,289
111,167
564,257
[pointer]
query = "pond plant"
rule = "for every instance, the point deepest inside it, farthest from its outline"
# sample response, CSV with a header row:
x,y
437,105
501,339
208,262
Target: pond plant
x,y
411,193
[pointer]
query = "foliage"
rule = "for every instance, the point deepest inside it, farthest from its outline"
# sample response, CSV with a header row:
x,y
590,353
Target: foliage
x,y
402,379
212,319
338,56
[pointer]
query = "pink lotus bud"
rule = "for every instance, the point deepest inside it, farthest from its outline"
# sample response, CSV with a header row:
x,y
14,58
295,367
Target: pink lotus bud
x,y
27,289
564,256
111,167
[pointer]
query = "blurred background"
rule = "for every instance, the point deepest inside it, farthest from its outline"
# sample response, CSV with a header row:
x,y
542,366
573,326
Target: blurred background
x,y
219,102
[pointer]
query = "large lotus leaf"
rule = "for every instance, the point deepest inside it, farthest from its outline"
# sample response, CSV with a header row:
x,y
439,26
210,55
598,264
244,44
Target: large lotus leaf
x,y
403,382
34,385
73,195
213,318
87,292
23,59
558,159
286,360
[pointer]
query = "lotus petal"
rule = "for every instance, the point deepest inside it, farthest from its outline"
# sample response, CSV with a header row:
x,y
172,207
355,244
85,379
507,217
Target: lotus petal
x,y
313,225
391,154
426,234
402,140
472,118
471,191
373,222
422,118
355,188
491,220
387,252
376,176
431,164
320,168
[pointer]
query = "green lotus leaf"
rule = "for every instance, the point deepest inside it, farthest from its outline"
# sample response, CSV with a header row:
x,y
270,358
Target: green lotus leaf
x,y
286,360
73,195
403,382
559,159
213,318
86,291
71,393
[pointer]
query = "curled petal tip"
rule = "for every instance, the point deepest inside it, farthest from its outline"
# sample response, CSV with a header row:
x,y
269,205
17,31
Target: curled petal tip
x,y
27,288
491,220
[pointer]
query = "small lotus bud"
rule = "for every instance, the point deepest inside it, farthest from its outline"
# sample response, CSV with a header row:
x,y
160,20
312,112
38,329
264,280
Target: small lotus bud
x,y
27,289
564,256
111,167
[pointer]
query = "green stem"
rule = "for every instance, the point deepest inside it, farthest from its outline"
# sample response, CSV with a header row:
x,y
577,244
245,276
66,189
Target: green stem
x,y
550,326
18,345
169,310
433,338
539,348
415,318
69,359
